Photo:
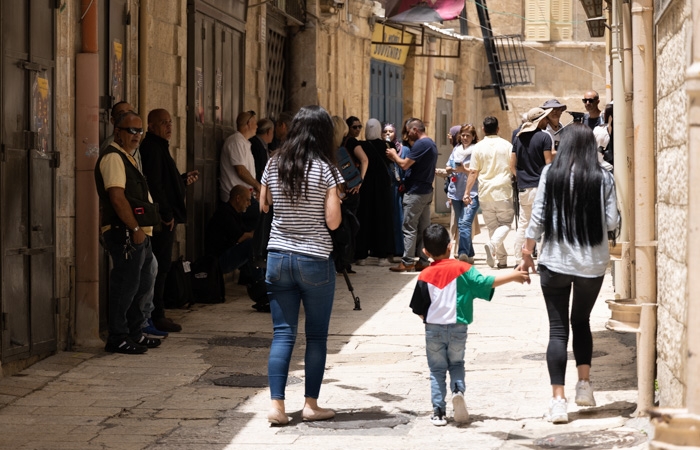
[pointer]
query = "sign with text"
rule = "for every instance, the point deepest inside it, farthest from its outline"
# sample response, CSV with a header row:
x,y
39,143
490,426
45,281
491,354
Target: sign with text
x,y
391,53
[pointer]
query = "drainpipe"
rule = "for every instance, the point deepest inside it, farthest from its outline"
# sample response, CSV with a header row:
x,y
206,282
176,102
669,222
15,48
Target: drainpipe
x,y
679,428
621,117
143,61
87,295
644,204
430,73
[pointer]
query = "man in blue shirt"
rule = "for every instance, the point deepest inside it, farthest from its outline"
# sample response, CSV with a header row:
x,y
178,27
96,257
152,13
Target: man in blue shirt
x,y
419,165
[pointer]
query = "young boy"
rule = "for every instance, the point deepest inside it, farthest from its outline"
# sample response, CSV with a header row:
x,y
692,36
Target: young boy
x,y
443,298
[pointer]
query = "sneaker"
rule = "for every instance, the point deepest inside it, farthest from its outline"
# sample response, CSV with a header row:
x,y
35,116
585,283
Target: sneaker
x,y
148,342
557,410
584,393
384,262
438,418
151,330
489,255
361,262
460,408
127,347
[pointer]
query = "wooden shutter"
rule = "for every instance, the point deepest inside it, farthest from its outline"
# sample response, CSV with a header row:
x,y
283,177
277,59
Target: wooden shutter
x,y
561,20
537,20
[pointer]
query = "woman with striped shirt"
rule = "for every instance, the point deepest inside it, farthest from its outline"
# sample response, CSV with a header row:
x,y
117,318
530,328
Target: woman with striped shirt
x,y
301,181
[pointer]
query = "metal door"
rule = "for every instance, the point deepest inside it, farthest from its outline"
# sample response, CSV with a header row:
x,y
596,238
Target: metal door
x,y
27,163
443,122
386,92
215,91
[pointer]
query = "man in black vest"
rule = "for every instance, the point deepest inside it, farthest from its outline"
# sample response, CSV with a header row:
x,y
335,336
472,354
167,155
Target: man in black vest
x,y
128,216
167,186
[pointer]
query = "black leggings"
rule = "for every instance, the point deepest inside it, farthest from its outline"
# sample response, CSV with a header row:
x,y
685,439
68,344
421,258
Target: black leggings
x,y
556,288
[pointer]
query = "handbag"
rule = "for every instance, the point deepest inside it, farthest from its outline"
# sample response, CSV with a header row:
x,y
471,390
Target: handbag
x,y
260,239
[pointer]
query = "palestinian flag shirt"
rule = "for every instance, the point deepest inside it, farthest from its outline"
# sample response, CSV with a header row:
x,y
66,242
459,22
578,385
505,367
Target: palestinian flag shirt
x,y
445,292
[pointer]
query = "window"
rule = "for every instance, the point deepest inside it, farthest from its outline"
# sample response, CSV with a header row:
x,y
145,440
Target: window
x,y
548,20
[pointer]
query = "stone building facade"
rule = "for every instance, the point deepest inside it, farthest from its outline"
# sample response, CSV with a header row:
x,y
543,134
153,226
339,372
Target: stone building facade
x,y
674,29
328,61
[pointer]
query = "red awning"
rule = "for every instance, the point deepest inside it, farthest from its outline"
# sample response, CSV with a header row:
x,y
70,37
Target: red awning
x,y
421,11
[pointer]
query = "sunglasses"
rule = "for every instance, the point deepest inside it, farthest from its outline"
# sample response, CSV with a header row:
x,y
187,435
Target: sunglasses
x,y
356,127
132,130
588,100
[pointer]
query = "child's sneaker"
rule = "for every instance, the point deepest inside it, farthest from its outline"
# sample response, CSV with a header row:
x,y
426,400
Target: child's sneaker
x,y
438,418
557,411
584,393
460,407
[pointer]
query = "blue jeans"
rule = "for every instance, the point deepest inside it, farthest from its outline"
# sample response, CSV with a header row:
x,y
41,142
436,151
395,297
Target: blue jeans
x,y
444,346
465,218
131,284
293,279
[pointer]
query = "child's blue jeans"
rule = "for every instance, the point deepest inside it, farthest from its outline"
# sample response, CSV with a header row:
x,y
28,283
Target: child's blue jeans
x,y
444,346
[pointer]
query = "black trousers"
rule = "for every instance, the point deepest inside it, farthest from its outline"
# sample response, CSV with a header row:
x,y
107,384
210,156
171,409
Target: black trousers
x,y
162,242
556,288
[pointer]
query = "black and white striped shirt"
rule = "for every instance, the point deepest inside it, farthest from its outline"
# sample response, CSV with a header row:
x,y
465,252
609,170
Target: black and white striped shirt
x,y
301,227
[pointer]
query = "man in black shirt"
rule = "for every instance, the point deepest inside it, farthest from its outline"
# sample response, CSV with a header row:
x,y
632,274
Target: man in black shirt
x,y
167,185
532,150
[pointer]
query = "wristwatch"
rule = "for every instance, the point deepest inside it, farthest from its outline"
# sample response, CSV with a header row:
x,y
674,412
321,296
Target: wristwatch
x,y
136,229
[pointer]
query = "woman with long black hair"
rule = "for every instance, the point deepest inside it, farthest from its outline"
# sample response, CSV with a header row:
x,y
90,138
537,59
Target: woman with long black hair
x,y
574,209
302,183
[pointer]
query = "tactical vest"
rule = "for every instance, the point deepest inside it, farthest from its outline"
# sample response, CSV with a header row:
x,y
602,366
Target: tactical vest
x,y
135,191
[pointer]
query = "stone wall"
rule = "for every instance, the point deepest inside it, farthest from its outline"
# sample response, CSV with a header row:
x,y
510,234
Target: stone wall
x,y
672,59
167,79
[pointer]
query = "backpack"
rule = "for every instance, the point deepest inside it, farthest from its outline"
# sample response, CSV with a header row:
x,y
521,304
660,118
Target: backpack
x,y
344,239
178,287
207,281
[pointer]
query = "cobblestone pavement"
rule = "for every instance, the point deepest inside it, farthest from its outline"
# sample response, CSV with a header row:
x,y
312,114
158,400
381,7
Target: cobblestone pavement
x,y
204,388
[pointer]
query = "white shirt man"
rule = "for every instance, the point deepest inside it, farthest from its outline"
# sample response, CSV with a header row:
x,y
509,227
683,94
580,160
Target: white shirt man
x,y
237,162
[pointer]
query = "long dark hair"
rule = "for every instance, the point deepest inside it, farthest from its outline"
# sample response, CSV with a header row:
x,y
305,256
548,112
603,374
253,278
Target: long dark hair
x,y
573,189
310,138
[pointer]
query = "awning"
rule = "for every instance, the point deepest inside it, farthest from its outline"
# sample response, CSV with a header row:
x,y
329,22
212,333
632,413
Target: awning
x,y
421,11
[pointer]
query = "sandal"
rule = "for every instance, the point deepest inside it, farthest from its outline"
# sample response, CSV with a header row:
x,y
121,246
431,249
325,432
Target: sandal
x,y
148,342
127,346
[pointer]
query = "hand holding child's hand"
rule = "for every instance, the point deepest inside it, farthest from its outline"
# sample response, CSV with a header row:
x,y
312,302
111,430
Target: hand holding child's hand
x,y
521,276
526,264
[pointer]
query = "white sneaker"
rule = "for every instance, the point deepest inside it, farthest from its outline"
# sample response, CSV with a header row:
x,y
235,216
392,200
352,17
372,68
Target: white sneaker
x,y
438,418
460,408
384,262
489,255
557,410
584,393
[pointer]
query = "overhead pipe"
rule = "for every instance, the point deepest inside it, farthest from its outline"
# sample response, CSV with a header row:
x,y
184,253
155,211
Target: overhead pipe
x,y
87,120
644,200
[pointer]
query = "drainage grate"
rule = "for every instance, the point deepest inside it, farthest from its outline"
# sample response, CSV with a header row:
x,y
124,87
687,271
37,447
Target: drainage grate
x,y
247,342
363,420
592,440
247,380
569,355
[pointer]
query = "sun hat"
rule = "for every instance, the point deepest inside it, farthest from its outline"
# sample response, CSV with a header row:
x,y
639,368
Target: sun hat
x,y
534,116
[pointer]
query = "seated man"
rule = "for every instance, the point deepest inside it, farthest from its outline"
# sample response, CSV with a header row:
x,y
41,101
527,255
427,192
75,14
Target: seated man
x,y
227,236
229,240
